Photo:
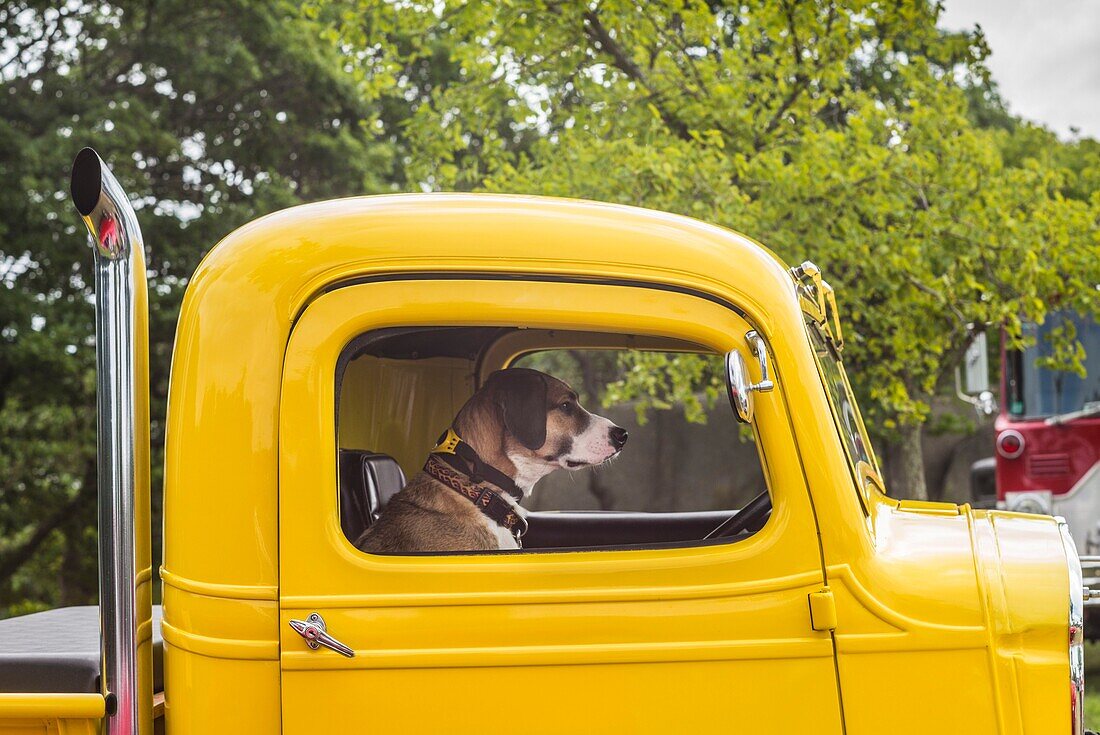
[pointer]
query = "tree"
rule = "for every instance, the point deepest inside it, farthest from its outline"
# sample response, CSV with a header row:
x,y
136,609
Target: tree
x,y
842,133
854,134
212,114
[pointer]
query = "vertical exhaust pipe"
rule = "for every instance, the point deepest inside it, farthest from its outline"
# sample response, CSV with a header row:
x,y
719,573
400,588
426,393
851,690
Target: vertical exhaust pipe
x,y
122,399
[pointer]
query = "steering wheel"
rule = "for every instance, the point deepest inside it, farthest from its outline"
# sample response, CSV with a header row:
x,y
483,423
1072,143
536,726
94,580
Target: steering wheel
x,y
750,518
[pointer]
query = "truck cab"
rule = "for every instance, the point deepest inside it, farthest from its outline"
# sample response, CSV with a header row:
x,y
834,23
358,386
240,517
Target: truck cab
x,y
749,573
1048,431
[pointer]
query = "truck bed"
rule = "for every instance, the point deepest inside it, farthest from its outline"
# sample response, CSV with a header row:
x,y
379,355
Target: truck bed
x,y
57,651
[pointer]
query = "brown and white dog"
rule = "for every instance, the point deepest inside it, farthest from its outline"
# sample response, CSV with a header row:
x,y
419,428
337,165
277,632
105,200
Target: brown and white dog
x,y
520,426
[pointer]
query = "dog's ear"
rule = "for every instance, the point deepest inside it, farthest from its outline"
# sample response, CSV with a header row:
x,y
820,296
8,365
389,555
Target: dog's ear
x,y
521,395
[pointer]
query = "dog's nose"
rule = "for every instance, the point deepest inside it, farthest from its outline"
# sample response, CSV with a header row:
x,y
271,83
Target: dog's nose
x,y
618,437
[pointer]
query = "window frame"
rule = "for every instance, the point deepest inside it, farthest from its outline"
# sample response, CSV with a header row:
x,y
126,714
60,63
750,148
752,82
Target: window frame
x,y
678,312
865,473
511,346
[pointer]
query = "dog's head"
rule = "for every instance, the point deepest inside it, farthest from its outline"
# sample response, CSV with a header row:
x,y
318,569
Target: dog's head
x,y
539,423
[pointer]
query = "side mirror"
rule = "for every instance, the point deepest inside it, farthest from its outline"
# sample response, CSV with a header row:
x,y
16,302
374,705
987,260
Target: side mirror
x,y
976,365
738,384
975,376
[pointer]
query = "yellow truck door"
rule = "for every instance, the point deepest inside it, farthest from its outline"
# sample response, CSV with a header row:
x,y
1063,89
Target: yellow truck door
x,y
708,637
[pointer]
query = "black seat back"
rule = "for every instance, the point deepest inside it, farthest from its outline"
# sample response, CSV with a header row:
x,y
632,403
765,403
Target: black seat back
x,y
367,482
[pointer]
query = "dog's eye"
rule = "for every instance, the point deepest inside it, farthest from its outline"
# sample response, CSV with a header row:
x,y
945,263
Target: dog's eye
x,y
566,406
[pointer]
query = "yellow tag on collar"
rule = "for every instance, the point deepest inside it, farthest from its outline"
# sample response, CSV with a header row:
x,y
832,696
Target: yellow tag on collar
x,y
449,443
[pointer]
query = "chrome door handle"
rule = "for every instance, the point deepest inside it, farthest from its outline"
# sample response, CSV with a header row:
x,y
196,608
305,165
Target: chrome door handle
x,y
316,634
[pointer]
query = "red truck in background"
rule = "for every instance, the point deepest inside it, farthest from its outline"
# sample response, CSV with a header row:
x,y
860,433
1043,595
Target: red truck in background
x,y
1047,434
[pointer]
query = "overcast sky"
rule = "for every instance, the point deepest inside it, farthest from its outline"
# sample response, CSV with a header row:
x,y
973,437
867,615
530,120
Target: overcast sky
x,y
1046,57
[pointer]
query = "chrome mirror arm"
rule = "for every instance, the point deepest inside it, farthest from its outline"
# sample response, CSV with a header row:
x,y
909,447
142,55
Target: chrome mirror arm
x,y
984,403
760,351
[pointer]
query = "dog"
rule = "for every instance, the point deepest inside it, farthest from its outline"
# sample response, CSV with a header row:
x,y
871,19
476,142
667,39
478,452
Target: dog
x,y
519,427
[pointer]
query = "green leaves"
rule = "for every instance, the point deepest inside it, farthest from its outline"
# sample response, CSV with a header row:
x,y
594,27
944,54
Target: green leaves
x,y
211,114
857,135
661,380
844,134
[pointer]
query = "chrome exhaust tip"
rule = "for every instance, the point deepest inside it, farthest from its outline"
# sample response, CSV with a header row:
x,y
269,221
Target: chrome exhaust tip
x,y
104,207
86,183
122,401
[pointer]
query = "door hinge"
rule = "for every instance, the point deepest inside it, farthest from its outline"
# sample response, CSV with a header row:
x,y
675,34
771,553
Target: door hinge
x,y
822,610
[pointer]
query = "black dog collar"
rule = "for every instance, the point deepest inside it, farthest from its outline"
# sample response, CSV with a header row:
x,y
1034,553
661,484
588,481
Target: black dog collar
x,y
448,464
487,500
451,448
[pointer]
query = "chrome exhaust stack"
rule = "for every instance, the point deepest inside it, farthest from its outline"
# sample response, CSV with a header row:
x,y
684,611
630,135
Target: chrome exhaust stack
x,y
122,398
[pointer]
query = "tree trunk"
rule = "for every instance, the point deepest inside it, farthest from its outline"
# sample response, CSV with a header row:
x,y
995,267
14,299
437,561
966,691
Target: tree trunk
x,y
909,482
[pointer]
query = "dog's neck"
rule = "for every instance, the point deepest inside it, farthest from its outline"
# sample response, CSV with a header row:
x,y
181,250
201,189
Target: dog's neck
x,y
527,472
487,441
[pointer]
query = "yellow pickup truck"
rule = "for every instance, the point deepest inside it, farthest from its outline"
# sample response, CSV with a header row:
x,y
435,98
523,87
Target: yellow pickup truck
x,y
320,353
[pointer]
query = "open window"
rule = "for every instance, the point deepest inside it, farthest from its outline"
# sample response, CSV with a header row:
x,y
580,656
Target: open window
x,y
686,472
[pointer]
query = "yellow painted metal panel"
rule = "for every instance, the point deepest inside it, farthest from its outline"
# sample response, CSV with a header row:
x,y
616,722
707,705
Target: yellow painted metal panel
x,y
636,621
1027,590
52,706
927,592
213,695
51,726
920,692
221,659
918,590
51,714
222,441
696,697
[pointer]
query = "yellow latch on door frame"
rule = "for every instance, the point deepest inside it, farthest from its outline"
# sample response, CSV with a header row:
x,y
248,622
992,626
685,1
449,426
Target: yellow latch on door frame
x,y
822,610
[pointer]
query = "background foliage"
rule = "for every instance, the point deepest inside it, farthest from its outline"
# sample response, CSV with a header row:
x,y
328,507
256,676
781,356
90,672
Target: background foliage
x,y
855,134
211,113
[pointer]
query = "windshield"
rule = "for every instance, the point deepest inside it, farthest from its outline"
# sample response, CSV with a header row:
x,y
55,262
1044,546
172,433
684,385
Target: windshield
x,y
1039,391
845,414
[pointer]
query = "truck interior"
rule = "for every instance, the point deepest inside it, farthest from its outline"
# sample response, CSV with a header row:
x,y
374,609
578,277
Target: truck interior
x,y
690,474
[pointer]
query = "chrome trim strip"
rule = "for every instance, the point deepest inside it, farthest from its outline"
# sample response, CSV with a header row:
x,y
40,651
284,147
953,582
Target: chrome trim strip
x,y
119,260
1076,625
